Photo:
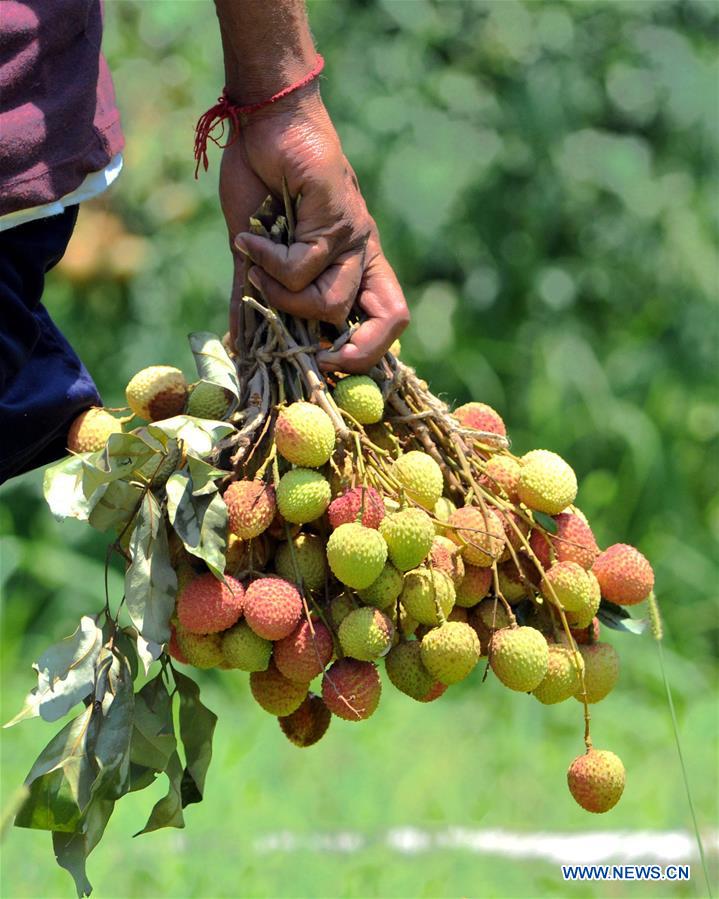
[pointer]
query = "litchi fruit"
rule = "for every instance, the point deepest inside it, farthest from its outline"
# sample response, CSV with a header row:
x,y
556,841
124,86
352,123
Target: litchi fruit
x,y
596,780
351,689
573,542
305,435
546,482
209,401
243,649
479,533
428,595
307,724
563,675
173,646
444,555
356,555
303,560
474,586
588,634
200,650
403,622
407,672
275,693
409,534
366,634
519,657
157,392
359,501
501,477
360,396
302,495
480,417
207,606
90,431
584,616
251,507
340,607
624,574
273,607
242,555
450,652
420,476
601,671
489,616
571,585
385,590
443,508
304,653
511,584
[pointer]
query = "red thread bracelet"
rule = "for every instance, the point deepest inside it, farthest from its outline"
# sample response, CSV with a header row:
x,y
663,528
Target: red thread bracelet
x,y
225,110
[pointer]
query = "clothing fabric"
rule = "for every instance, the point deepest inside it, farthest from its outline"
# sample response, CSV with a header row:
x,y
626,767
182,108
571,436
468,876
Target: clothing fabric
x,y
58,118
93,185
43,384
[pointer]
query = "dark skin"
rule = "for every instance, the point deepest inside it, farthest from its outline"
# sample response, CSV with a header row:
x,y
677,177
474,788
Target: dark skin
x,y
336,259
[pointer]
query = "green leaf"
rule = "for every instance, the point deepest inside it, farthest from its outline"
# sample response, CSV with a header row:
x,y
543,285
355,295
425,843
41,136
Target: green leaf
x,y
72,849
198,435
111,745
168,810
617,618
64,488
203,476
153,736
66,674
147,651
150,580
199,521
546,521
116,506
213,363
197,726
123,453
61,780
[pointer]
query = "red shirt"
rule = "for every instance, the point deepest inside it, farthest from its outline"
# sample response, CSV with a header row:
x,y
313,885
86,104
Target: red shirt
x,y
58,118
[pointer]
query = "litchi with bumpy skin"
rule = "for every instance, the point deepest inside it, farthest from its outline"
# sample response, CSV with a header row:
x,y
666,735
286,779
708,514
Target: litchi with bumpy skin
x,y
570,584
573,542
427,594
584,617
304,653
366,634
563,676
303,560
407,672
519,656
444,555
209,401
443,508
273,607
596,780
601,671
251,506
479,533
302,495
511,585
307,724
91,430
339,608
243,649
275,693
546,482
242,555
360,396
403,622
474,586
588,634
201,650
157,392
480,417
207,606
384,591
356,555
351,689
173,646
450,652
420,476
305,435
360,504
486,618
501,477
409,534
624,574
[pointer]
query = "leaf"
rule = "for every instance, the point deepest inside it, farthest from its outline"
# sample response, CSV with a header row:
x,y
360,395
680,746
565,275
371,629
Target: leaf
x,y
123,453
61,780
617,618
198,435
546,521
197,726
72,849
150,580
66,674
168,810
214,364
153,737
65,490
116,506
203,476
111,744
199,521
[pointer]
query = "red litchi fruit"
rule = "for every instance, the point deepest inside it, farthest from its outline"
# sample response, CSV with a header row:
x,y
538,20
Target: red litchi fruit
x,y
573,542
307,724
273,607
207,606
275,693
596,780
302,655
351,689
480,417
346,509
251,507
624,574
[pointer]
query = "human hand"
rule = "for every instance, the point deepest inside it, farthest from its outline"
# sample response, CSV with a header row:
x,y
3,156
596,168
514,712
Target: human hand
x,y
336,258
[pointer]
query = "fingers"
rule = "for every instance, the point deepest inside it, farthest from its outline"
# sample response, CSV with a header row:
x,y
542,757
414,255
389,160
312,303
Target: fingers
x,y
294,267
329,298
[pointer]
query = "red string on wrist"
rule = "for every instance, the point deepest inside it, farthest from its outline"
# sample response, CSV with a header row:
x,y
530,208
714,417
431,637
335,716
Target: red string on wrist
x,y
226,110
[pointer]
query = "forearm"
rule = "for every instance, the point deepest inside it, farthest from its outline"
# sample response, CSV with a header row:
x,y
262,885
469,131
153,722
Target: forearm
x,y
267,45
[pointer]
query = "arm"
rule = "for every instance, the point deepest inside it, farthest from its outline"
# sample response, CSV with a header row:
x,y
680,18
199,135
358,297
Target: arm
x,y
336,258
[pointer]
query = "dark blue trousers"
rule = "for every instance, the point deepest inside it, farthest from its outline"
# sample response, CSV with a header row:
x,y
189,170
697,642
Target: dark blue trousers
x,y
43,384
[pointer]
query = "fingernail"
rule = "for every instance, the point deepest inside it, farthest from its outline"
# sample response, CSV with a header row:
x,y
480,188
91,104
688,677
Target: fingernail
x,y
255,277
241,245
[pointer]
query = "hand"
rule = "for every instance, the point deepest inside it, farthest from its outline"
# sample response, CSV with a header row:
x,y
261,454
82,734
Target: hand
x,y
336,259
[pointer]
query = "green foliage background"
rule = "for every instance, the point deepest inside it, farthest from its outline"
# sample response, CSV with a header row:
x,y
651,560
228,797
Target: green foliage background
x,y
542,176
